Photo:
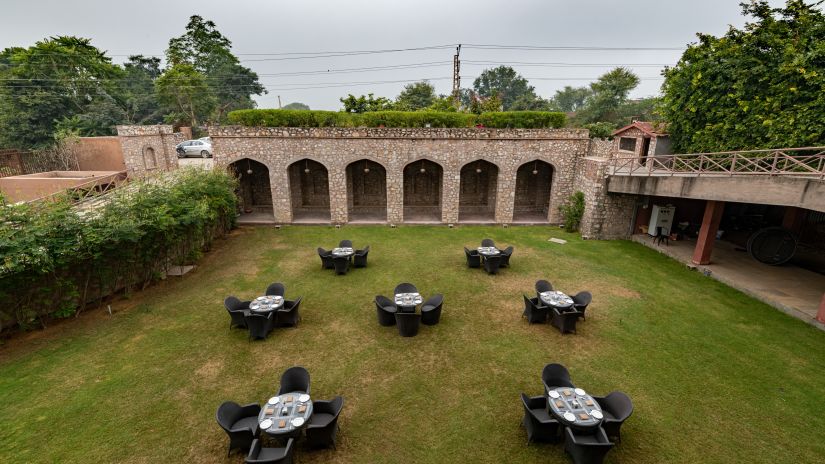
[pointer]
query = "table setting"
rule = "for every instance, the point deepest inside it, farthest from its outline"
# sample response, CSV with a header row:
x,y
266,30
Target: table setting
x,y
267,303
285,413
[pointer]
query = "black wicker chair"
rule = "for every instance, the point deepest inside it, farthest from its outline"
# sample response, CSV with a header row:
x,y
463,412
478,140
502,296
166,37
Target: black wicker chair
x,y
540,426
360,257
586,448
259,324
580,301
323,425
543,286
505,256
237,309
288,316
276,289
294,379
345,244
492,264
239,422
405,287
431,310
261,455
326,258
488,242
616,408
533,311
473,258
386,310
407,323
341,264
555,375
565,321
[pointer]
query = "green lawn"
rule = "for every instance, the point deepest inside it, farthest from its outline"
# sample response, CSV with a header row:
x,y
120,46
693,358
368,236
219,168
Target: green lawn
x,y
714,375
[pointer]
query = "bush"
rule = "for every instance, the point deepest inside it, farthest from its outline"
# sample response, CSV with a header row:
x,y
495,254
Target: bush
x,y
57,259
573,210
522,119
448,119
601,130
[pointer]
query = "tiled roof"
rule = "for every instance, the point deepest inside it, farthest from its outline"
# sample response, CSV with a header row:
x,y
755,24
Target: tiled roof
x,y
649,128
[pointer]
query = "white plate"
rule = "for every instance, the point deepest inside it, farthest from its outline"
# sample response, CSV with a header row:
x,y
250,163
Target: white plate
x,y
554,394
569,416
297,422
266,424
580,392
273,400
303,398
596,414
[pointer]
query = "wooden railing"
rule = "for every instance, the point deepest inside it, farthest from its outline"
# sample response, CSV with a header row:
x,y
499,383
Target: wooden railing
x,y
806,162
94,188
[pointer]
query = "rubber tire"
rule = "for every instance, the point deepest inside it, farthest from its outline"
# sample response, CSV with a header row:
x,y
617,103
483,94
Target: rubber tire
x,y
181,155
204,154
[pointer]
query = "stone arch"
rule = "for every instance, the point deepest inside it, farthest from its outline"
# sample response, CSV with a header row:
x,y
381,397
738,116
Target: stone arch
x,y
366,191
423,186
309,191
478,187
254,190
533,191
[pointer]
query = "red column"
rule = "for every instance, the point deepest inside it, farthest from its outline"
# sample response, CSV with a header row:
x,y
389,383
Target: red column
x,y
707,233
820,315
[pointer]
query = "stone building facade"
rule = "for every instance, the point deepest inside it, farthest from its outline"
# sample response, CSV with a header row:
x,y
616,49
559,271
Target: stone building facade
x,y
415,175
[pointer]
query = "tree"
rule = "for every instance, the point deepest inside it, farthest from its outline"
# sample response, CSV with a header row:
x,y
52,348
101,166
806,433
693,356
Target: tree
x,y
416,96
362,104
756,87
504,83
185,96
444,103
531,102
571,98
296,106
138,88
204,48
56,80
609,93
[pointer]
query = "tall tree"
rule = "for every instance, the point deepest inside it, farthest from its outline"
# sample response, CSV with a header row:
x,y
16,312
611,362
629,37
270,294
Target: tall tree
x,y
362,104
296,106
185,96
138,86
61,80
756,87
571,98
204,48
609,93
416,96
503,82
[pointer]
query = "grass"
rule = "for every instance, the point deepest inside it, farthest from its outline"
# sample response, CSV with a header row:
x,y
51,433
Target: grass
x,y
714,375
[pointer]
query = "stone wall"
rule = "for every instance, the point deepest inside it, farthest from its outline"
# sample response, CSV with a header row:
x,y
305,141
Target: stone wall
x,y
148,149
336,148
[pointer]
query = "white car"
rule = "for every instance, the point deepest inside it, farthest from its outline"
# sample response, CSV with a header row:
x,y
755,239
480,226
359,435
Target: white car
x,y
200,147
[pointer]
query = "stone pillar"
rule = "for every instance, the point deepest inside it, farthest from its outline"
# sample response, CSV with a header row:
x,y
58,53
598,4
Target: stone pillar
x,y
395,195
281,199
505,196
820,315
450,187
707,233
337,176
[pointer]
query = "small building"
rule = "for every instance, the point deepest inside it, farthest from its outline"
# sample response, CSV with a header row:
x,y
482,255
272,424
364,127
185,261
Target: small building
x,y
642,139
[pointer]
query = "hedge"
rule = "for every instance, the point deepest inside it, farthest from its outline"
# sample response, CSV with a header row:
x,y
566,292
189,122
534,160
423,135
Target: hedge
x,y
314,118
57,259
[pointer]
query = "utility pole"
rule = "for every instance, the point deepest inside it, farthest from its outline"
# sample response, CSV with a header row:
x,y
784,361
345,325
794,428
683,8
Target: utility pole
x,y
279,102
456,73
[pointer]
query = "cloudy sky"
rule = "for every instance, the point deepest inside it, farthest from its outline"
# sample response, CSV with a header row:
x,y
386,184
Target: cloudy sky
x,y
288,42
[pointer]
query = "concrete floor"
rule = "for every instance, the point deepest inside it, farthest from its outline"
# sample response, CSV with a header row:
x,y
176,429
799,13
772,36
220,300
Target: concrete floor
x,y
204,163
310,217
422,215
530,218
256,218
791,289
477,218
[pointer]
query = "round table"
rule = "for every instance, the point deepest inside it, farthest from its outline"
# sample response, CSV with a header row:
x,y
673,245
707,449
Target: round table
x,y
343,252
285,414
265,304
573,407
407,302
556,299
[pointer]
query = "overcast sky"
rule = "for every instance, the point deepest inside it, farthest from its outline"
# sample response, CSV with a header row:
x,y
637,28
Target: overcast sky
x,y
261,29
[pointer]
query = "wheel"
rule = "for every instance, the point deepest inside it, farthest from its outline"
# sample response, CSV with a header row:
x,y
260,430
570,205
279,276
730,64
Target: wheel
x,y
204,154
772,245
181,155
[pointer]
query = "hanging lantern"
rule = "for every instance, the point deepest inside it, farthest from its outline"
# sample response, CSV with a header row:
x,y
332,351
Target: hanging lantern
x,y
535,171
248,167
422,168
249,171
478,168
306,167
366,168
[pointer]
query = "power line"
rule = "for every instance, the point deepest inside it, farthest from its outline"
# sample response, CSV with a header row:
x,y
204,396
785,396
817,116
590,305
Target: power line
x,y
566,48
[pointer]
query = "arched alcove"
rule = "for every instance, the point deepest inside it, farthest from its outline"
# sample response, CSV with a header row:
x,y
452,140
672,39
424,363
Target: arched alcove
x,y
254,192
477,193
309,191
532,200
422,191
366,191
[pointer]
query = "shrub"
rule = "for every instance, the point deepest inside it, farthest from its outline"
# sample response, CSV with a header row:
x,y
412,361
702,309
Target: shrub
x,y
417,119
291,118
522,119
602,130
573,210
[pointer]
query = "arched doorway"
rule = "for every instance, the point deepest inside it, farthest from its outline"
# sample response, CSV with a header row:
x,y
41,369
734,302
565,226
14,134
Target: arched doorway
x,y
422,191
477,193
366,191
533,182
309,191
254,192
